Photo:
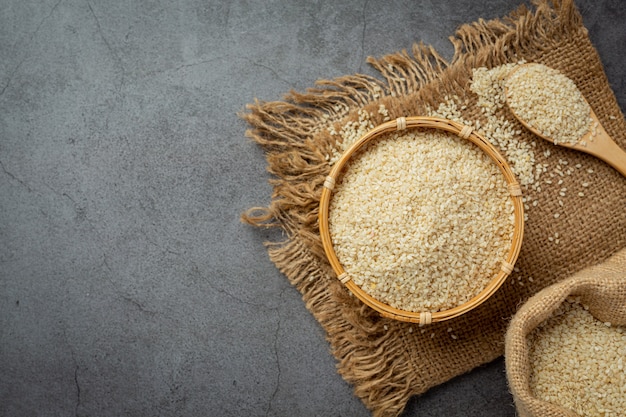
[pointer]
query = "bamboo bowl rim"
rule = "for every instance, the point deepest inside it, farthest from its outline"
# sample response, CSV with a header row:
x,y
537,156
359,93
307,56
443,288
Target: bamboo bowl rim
x,y
465,132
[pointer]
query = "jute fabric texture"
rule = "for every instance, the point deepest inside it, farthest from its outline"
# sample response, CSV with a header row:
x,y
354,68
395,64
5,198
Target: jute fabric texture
x,y
388,361
602,288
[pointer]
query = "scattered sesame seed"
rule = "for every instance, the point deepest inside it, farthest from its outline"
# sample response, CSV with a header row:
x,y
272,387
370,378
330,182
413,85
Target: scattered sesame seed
x,y
488,85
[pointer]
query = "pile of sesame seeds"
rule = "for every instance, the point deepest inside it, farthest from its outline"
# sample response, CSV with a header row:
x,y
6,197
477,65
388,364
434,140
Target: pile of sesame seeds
x,y
549,102
577,362
421,220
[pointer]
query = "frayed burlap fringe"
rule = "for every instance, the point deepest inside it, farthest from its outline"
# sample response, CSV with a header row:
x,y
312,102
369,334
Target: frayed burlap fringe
x,y
388,361
602,288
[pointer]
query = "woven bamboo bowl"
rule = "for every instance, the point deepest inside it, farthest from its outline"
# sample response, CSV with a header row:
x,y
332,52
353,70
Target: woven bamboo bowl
x,y
464,132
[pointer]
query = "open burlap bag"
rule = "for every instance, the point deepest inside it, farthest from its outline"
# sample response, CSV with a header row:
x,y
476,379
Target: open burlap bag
x,y
389,361
602,288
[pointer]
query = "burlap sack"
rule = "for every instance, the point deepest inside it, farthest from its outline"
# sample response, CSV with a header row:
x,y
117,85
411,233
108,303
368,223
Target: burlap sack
x,y
601,287
389,361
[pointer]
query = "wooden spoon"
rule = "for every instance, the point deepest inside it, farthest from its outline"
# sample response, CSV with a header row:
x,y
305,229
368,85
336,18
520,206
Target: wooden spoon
x,y
596,141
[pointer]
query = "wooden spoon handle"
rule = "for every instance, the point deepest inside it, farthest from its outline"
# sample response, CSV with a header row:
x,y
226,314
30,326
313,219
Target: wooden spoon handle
x,y
603,147
616,157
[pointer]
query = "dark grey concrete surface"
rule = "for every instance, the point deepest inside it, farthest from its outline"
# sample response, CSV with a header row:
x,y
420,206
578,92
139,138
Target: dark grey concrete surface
x,y
128,286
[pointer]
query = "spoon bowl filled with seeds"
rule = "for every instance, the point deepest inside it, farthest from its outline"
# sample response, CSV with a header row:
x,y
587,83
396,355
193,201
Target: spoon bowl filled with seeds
x,y
550,105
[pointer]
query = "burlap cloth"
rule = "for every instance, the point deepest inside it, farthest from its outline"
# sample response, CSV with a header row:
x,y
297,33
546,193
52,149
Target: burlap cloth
x,y
601,287
388,361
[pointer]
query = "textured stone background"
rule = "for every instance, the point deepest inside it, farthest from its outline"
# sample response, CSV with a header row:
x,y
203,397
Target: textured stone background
x,y
127,284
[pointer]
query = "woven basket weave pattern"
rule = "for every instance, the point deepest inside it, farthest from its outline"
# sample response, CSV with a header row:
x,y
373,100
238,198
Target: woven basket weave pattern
x,y
464,132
